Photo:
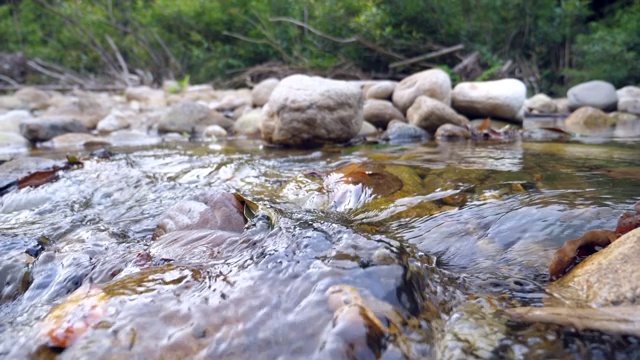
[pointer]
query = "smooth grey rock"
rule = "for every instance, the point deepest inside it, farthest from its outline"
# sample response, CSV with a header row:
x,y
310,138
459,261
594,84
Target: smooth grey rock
x,y
597,93
11,120
308,111
43,129
260,93
186,117
367,129
381,112
116,120
399,132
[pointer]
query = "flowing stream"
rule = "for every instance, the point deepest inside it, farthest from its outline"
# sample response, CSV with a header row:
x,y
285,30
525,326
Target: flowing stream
x,y
467,232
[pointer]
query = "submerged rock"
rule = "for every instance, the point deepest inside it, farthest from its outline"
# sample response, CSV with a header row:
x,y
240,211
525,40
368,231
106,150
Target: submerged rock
x,y
216,210
589,119
307,111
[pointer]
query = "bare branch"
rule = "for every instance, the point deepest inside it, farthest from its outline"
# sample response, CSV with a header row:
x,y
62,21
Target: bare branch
x,y
123,64
9,80
314,30
430,55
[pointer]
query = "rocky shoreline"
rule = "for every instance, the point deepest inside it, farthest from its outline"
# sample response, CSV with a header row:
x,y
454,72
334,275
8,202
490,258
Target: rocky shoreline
x,y
303,111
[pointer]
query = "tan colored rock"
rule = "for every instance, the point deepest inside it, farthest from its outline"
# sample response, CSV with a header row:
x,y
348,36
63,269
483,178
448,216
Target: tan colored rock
x,y
562,105
608,277
146,96
367,129
433,83
187,117
260,93
85,109
588,118
204,92
11,102
381,112
382,90
232,99
307,111
500,98
451,132
35,99
540,103
249,123
430,114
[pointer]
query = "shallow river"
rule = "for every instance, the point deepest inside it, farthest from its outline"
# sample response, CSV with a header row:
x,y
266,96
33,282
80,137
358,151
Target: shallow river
x,y
445,238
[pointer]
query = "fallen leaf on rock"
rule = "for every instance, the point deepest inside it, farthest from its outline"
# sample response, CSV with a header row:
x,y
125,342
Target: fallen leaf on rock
x,y
39,178
628,221
66,323
623,320
573,251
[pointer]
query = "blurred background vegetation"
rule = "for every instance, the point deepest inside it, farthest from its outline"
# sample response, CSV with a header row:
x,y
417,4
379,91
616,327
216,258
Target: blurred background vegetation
x,y
549,44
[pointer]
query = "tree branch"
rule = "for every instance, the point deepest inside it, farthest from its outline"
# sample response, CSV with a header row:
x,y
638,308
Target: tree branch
x,y
430,55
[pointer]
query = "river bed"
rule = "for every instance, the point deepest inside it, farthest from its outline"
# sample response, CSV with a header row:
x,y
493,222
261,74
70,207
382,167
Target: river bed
x,y
470,233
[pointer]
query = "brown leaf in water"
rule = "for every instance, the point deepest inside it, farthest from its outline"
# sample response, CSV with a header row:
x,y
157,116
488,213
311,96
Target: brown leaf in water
x,y
84,308
372,176
570,255
485,125
628,221
38,178
623,320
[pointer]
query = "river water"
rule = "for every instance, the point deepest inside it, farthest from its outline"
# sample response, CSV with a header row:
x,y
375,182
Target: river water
x,y
467,232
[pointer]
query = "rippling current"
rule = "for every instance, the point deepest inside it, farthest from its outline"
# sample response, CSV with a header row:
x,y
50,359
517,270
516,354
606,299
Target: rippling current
x,y
469,234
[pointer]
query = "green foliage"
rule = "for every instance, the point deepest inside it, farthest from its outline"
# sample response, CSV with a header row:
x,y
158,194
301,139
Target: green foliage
x,y
553,42
611,49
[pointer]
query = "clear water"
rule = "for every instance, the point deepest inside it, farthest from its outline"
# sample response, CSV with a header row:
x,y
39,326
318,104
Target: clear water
x,y
437,272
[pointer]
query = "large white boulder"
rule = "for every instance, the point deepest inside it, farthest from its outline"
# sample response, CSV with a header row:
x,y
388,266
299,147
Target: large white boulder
x,y
307,111
502,99
597,93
